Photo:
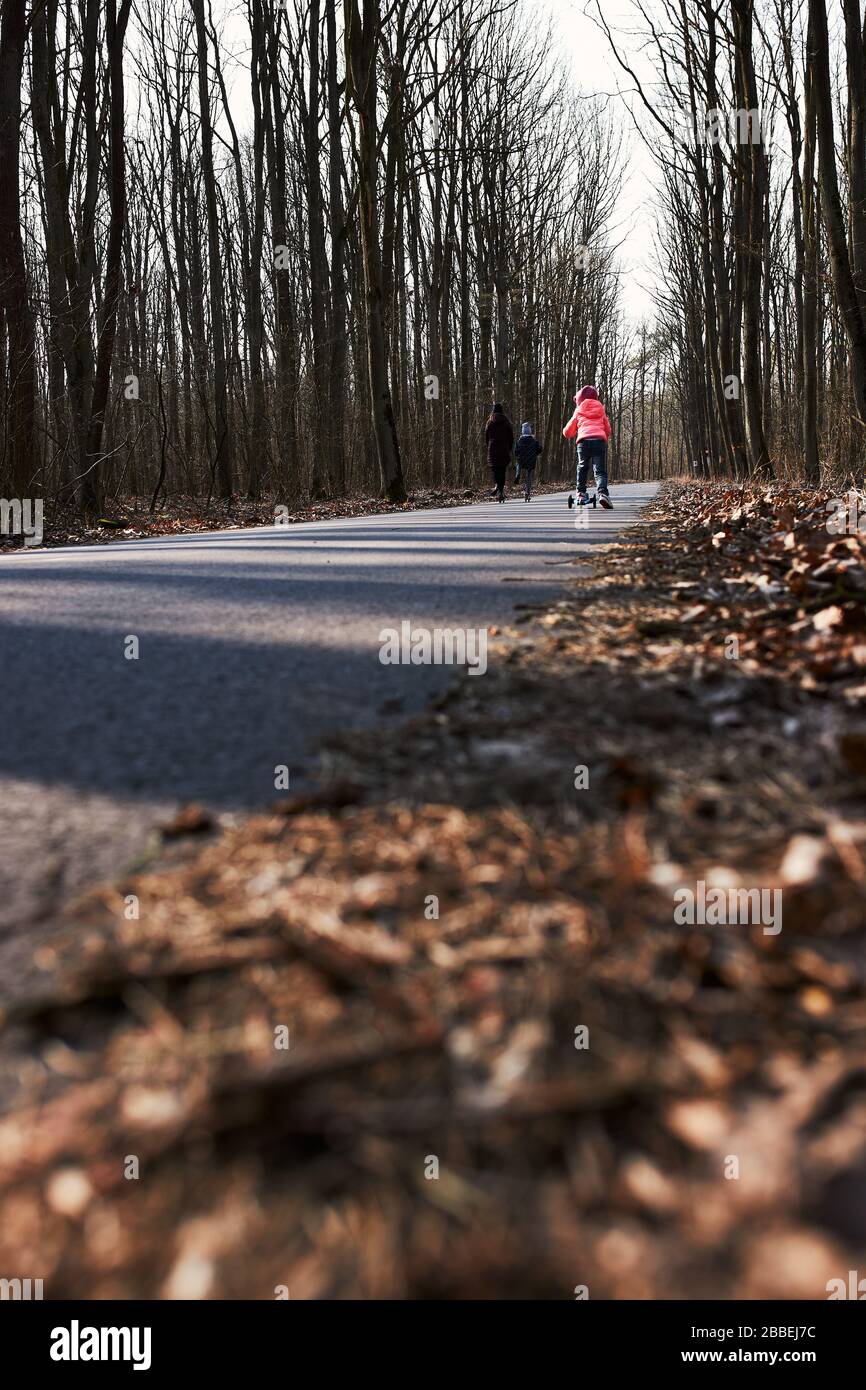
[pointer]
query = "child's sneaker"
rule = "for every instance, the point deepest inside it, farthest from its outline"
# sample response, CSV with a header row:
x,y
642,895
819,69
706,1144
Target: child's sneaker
x,y
604,501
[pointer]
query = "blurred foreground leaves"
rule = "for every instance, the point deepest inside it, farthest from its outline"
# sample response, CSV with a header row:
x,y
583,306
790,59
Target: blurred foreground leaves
x,y
458,1037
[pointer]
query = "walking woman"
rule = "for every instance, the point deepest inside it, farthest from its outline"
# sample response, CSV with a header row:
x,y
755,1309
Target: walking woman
x,y
499,438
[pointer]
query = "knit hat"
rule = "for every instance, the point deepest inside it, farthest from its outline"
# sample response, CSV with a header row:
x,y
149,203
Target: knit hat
x,y
497,408
586,393
526,427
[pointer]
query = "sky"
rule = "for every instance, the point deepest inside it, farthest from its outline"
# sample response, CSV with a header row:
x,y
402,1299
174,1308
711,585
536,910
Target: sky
x,y
595,70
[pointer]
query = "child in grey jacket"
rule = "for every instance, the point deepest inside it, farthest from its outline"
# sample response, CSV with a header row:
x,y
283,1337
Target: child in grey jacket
x,y
527,450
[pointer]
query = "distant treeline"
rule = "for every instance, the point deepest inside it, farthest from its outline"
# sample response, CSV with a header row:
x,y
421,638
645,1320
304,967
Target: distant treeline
x,y
309,270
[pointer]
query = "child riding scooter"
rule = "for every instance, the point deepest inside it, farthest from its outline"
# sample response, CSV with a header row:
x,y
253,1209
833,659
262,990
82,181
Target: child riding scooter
x,y
593,430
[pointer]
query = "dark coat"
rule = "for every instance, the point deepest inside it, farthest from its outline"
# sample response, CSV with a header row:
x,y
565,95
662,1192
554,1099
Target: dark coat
x,y
499,437
527,450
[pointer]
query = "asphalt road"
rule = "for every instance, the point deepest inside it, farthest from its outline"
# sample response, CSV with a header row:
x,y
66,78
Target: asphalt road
x,y
252,645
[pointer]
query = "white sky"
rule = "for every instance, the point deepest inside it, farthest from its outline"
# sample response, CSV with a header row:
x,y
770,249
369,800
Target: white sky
x,y
594,71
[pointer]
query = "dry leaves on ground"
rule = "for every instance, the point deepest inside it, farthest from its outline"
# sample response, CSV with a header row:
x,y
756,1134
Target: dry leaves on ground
x,y
508,1071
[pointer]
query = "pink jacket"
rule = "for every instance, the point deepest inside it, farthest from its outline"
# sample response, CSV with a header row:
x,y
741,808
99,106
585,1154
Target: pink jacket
x,y
589,420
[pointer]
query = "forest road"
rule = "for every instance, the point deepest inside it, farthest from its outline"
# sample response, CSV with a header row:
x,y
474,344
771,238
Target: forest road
x,y
252,646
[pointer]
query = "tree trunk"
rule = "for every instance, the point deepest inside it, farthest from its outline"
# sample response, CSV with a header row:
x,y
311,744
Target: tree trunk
x,y
14,297
115,33
810,290
831,207
223,462
362,44
337,364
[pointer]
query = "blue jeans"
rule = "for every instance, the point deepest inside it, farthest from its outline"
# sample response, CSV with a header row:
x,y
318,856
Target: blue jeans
x,y
592,451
